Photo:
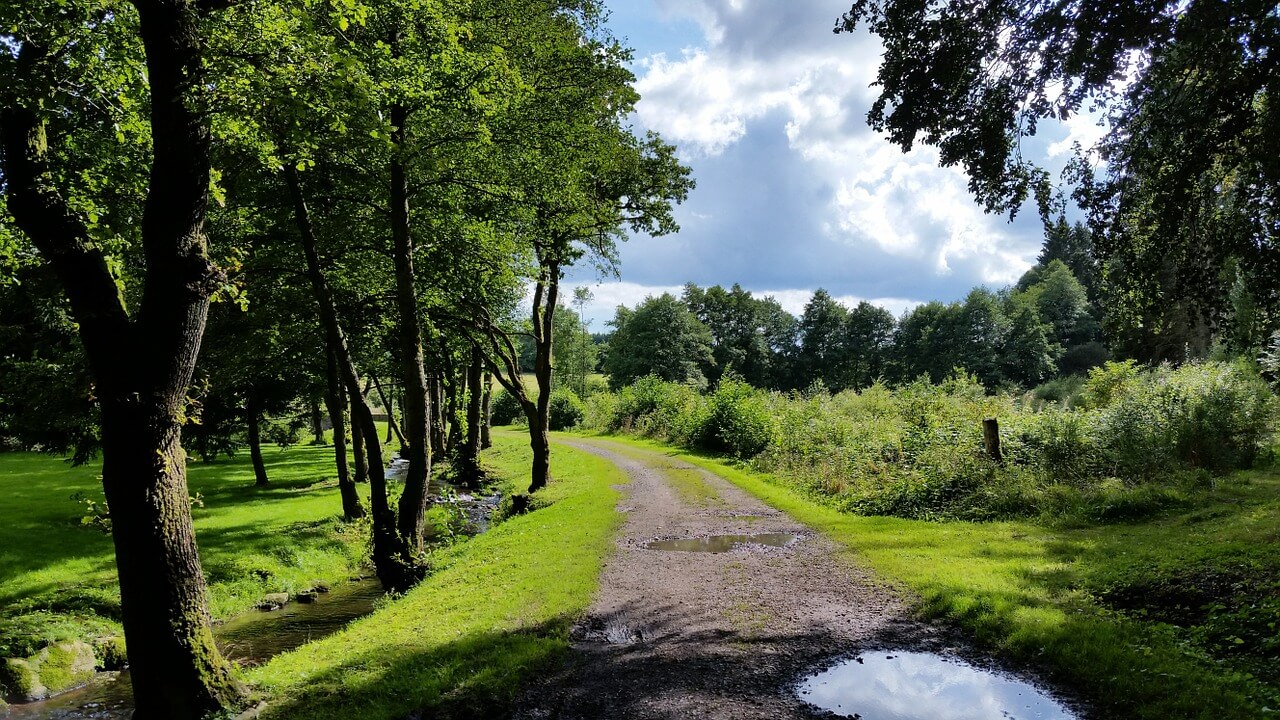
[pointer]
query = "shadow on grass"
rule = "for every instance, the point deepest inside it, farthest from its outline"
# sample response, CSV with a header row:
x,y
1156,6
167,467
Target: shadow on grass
x,y
477,676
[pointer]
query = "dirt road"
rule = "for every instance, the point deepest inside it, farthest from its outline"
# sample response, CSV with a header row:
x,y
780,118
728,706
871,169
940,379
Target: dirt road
x,y
678,634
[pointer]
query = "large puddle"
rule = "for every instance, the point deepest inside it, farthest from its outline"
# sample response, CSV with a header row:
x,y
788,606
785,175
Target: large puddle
x,y
888,685
723,543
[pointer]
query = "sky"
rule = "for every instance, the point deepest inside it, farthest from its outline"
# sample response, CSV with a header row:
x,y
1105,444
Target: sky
x,y
794,191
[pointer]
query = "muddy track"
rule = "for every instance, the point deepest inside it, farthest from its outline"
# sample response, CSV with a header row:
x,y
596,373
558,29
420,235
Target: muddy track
x,y
711,635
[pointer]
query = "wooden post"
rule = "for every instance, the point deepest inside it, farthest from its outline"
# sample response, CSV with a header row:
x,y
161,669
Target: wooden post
x,y
991,438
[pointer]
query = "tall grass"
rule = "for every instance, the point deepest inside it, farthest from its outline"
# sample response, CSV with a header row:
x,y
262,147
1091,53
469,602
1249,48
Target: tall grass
x,y
1132,442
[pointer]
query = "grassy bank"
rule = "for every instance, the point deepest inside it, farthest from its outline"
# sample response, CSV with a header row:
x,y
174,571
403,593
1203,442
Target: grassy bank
x,y
1159,618
57,575
497,609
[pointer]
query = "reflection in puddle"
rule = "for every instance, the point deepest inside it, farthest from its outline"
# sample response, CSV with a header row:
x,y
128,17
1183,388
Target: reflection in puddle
x,y
890,685
723,543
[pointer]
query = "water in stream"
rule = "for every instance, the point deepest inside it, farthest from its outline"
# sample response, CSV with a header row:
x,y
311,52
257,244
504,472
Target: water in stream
x,y
890,685
249,639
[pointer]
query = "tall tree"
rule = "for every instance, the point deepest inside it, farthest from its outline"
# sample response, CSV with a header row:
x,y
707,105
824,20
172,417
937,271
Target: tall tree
x,y
659,337
141,351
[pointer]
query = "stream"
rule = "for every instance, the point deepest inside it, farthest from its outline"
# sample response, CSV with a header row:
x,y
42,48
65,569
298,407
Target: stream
x,y
250,639
256,636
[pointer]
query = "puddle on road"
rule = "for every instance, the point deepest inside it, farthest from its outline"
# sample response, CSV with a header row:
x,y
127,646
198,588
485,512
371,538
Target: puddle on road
x,y
723,543
888,685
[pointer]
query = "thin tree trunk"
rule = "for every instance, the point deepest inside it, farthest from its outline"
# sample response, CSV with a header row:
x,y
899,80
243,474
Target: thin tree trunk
x,y
392,425
436,423
486,415
336,402
254,410
413,501
142,364
388,550
317,424
470,459
357,451
544,307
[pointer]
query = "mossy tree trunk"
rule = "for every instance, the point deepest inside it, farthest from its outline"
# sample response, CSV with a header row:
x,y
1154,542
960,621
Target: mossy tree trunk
x,y
416,404
142,361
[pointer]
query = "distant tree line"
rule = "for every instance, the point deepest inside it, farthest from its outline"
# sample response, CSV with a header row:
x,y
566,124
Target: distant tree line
x,y
1044,326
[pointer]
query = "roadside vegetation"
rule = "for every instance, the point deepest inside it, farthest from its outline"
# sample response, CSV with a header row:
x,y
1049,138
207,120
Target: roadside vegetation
x,y
1169,616
494,610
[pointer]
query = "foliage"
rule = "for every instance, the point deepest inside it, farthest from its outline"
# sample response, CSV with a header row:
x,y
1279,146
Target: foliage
x,y
1132,444
660,337
566,410
504,408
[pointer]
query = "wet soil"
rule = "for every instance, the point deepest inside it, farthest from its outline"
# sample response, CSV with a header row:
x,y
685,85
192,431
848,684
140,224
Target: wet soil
x,y
675,634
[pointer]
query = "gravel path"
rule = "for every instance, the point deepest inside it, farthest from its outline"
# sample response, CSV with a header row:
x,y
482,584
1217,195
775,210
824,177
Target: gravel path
x,y
692,634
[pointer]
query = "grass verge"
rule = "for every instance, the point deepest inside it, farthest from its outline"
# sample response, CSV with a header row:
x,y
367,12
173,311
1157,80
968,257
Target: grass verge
x,y
58,577
1045,596
496,610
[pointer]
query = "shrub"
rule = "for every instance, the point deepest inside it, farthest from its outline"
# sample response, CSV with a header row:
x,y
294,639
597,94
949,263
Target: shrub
x,y
737,422
504,408
565,410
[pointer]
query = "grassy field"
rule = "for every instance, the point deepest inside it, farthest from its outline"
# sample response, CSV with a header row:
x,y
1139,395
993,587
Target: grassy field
x,y
497,609
1108,610
57,576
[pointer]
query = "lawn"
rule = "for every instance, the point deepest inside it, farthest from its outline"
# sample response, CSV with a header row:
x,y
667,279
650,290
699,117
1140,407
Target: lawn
x,y
496,610
57,575
1173,617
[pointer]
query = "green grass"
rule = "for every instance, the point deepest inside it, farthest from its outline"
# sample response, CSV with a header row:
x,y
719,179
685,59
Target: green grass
x,y
497,609
1034,593
57,576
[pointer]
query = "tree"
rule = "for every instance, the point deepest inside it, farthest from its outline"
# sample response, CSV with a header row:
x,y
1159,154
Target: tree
x,y
1188,179
868,341
750,337
822,351
659,337
142,350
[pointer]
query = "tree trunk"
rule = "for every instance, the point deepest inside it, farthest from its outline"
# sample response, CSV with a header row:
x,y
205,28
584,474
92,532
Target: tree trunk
x,y
991,439
413,502
544,308
317,424
486,422
388,551
254,410
142,365
392,425
470,457
357,451
436,423
336,403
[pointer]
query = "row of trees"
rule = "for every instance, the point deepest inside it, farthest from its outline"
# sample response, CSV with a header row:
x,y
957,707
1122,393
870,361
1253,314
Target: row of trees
x,y
306,197
1020,336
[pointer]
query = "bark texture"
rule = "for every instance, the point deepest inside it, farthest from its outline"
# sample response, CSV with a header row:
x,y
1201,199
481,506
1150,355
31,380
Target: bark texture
x,y
142,363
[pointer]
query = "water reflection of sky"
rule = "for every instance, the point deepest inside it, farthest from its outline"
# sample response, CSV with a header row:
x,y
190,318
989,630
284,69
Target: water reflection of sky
x,y
922,686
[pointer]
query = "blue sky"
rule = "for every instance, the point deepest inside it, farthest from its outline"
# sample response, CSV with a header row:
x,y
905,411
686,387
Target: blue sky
x,y
795,192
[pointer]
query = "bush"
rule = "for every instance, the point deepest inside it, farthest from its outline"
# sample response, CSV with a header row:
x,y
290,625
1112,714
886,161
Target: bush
x,y
738,422
504,408
565,410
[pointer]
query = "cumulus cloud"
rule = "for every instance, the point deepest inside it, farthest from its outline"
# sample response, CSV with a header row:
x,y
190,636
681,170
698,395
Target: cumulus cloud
x,y
795,190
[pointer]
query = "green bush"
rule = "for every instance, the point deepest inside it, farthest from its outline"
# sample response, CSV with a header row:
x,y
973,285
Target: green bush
x,y
504,408
1134,445
738,421
565,409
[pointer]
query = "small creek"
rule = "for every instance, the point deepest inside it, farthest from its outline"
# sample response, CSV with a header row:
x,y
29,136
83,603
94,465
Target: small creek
x,y
723,543
249,639
890,685
256,636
